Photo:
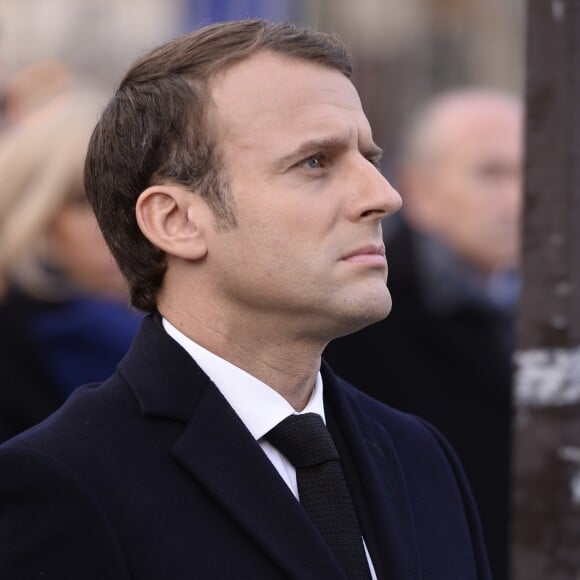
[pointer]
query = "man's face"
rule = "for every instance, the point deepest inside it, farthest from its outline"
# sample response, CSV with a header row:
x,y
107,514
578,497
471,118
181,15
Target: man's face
x,y
473,188
78,248
297,149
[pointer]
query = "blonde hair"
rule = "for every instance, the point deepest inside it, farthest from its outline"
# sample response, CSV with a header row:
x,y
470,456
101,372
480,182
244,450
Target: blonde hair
x,y
41,161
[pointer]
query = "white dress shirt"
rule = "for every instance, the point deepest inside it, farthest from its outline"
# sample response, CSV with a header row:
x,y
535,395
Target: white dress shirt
x,y
259,406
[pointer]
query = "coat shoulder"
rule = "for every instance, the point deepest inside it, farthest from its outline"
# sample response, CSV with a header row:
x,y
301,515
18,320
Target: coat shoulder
x,y
36,487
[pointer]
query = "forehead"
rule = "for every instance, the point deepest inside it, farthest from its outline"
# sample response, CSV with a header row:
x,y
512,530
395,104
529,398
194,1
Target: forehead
x,y
484,126
269,94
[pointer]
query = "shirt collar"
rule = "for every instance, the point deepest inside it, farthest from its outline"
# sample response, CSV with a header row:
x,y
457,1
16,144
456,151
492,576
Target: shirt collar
x,y
259,406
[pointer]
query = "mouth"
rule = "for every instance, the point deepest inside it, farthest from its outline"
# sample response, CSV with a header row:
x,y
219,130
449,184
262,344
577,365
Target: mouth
x,y
373,254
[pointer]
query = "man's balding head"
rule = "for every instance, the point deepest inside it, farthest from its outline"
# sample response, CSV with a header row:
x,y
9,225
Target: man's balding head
x,y
461,175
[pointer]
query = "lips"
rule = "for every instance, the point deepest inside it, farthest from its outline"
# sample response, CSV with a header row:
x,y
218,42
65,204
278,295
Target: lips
x,y
373,253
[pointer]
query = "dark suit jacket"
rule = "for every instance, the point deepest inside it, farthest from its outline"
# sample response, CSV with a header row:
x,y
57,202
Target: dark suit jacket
x,y
452,369
152,476
28,392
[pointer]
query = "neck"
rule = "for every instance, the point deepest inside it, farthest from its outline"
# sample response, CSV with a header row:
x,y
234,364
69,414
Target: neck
x,y
289,365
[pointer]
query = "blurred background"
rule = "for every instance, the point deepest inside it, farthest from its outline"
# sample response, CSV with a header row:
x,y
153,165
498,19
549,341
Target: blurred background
x,y
404,50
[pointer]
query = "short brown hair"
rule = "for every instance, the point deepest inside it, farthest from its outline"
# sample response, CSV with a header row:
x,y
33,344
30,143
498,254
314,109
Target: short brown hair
x,y
155,130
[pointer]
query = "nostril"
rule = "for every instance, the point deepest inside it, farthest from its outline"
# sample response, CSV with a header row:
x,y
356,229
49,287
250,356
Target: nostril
x,y
373,212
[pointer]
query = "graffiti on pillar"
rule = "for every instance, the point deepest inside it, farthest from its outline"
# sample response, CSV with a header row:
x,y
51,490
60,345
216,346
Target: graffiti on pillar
x,y
547,434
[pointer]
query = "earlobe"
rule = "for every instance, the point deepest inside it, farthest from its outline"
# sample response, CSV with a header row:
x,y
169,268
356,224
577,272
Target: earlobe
x,y
173,219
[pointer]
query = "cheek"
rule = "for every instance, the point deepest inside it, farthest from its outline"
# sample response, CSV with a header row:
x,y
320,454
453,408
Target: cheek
x,y
464,201
75,240
74,225
268,259
283,234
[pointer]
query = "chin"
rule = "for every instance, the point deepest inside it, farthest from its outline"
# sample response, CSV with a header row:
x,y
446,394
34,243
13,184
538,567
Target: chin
x,y
365,313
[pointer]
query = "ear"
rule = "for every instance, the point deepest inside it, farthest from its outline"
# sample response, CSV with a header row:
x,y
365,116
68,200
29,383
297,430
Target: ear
x,y
174,219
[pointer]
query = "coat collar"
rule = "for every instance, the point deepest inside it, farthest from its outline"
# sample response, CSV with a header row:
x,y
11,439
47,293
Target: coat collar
x,y
161,374
220,453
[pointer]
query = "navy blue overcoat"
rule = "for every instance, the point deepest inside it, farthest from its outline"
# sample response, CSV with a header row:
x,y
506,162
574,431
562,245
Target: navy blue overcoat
x,y
152,476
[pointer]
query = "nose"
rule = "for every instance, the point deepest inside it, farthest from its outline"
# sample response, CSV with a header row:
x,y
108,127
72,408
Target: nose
x,y
373,197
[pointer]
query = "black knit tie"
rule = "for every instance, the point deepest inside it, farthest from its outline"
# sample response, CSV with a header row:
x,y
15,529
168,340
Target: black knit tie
x,y
306,442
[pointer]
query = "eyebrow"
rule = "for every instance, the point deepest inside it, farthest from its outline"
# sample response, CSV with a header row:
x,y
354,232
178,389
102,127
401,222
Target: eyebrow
x,y
372,152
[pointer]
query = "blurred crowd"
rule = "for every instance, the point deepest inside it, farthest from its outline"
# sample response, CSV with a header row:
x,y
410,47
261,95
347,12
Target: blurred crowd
x,y
63,302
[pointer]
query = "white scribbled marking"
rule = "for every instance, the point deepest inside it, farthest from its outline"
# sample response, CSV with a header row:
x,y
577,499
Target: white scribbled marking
x,y
575,488
558,10
570,453
547,376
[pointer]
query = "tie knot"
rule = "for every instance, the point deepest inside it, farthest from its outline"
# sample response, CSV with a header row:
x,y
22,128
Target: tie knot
x,y
304,440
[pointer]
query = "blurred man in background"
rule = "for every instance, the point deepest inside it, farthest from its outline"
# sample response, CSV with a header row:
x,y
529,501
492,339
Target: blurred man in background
x,y
445,351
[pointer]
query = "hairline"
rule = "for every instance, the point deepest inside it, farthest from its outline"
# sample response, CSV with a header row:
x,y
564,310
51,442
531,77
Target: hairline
x,y
426,134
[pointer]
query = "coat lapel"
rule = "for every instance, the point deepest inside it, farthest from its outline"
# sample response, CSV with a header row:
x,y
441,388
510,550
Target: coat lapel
x,y
220,453
380,479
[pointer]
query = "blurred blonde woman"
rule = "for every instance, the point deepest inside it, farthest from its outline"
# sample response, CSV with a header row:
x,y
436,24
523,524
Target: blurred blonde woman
x,y
63,314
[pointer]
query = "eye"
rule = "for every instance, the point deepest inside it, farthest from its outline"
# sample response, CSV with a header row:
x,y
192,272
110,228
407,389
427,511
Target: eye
x,y
493,172
317,161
